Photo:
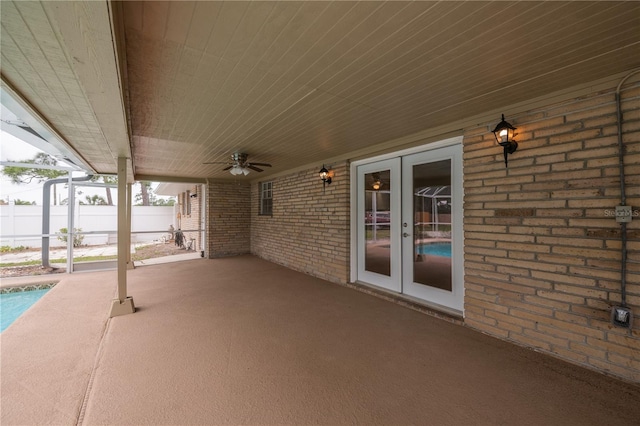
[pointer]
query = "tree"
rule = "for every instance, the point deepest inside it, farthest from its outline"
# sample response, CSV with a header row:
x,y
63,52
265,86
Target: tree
x,y
164,202
19,175
94,200
109,180
22,175
65,201
19,202
146,197
145,193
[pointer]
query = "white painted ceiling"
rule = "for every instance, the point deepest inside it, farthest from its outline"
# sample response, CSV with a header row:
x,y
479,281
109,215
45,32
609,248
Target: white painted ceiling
x,y
176,84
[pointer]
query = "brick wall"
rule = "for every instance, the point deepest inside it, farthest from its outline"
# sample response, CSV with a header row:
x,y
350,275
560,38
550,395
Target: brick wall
x,y
542,253
309,228
191,221
229,218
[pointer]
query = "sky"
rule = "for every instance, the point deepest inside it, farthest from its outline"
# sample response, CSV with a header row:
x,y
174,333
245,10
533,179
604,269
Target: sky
x,y
14,149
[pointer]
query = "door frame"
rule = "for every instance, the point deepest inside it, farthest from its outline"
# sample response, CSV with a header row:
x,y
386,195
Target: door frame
x,y
456,140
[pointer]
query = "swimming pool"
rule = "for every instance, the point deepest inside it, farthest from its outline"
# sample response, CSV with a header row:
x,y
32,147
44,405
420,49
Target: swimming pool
x,y
12,305
435,249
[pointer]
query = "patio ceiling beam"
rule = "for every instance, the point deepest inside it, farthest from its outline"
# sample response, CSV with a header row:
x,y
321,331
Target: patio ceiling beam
x,y
172,179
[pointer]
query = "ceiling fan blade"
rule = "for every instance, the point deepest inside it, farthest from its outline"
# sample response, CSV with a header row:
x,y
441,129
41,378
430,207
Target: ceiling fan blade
x,y
260,164
217,162
227,168
252,167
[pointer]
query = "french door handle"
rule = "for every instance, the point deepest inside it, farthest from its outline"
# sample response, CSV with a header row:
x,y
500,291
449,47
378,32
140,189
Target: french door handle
x,y
405,235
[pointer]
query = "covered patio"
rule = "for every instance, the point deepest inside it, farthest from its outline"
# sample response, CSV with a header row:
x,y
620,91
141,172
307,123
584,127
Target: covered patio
x,y
244,341
198,93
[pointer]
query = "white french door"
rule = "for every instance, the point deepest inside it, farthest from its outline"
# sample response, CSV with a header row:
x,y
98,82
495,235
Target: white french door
x,y
432,240
409,226
379,259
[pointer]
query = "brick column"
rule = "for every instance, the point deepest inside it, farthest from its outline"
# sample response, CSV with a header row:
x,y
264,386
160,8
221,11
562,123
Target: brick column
x,y
229,212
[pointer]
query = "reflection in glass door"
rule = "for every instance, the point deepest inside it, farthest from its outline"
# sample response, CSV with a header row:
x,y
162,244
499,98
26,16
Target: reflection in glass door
x,y
409,225
432,210
378,224
432,224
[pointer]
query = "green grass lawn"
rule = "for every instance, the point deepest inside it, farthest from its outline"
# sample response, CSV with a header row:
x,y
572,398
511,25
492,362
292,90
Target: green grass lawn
x,y
63,260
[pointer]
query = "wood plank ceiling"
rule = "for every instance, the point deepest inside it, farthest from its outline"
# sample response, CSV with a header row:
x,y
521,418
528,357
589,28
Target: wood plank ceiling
x,y
292,83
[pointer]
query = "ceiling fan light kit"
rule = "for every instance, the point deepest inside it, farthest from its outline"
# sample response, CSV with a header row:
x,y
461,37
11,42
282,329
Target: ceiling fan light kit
x,y
237,170
240,165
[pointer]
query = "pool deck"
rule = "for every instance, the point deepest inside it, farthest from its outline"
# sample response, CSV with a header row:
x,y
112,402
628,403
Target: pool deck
x,y
244,341
48,278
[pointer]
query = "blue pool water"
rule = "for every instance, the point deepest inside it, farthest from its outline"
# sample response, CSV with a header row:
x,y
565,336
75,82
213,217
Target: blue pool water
x,y
435,249
12,305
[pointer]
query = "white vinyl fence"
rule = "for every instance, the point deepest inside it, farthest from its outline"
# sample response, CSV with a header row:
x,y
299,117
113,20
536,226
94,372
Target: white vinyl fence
x,y
22,225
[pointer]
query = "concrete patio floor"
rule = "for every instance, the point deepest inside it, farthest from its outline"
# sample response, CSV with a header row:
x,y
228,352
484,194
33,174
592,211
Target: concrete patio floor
x,y
244,341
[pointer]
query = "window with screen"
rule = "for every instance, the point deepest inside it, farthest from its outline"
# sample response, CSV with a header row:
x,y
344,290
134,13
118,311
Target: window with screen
x,y
266,198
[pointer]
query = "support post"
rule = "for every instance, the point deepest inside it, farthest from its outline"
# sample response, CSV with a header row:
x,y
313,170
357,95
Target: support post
x,y
129,209
204,248
70,212
123,305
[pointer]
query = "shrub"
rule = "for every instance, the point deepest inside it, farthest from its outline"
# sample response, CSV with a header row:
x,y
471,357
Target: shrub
x,y
9,249
77,238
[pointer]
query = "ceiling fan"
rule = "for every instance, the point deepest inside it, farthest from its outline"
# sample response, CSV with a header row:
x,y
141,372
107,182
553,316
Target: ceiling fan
x,y
240,165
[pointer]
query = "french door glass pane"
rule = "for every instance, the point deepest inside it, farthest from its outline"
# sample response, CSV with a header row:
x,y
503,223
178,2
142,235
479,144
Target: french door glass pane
x,y
432,224
377,200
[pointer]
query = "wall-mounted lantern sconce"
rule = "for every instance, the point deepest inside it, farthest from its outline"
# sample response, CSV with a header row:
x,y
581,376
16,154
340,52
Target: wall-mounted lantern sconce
x,y
325,177
504,133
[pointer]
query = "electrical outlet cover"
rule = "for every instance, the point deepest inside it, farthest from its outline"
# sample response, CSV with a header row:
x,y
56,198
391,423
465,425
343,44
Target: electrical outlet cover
x,y
623,214
622,317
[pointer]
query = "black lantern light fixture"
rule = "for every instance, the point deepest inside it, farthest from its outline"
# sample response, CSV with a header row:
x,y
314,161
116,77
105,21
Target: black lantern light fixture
x,y
324,176
504,133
